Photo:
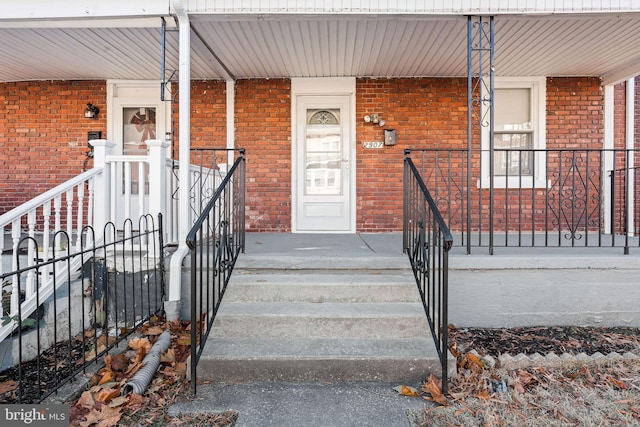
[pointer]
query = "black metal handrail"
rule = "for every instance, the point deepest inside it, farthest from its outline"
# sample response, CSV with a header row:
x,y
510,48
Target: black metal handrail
x,y
427,241
121,285
537,197
215,240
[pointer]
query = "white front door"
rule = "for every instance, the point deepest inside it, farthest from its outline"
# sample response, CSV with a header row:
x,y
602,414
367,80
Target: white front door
x,y
323,164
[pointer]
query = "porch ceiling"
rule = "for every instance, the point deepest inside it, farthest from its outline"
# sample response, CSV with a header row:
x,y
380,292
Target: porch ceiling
x,y
273,46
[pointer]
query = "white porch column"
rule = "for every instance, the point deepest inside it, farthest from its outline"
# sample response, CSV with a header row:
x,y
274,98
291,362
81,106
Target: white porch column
x,y
608,159
102,187
630,145
172,305
231,136
158,180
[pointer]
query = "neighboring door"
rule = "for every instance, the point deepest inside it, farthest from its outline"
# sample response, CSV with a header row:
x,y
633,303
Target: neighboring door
x,y
323,164
136,115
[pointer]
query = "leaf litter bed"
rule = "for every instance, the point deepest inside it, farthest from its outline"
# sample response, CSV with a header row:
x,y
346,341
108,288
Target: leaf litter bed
x,y
529,340
604,392
103,402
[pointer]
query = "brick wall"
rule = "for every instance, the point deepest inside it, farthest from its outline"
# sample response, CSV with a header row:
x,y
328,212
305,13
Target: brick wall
x,y
208,123
574,112
424,113
263,127
43,135
44,121
208,114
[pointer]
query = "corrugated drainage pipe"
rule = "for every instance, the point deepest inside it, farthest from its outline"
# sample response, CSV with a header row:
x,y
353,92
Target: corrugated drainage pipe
x,y
140,381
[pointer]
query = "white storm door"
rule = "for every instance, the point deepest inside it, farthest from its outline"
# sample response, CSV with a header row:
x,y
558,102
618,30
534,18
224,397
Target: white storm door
x,y
323,176
135,114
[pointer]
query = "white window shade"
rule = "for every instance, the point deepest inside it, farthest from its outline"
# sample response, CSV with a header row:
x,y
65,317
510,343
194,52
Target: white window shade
x,y
512,109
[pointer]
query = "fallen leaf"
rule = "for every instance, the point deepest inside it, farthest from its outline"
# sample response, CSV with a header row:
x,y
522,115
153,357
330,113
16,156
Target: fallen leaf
x,y
139,343
453,348
119,362
140,355
168,356
8,386
107,394
181,368
473,363
107,377
86,400
118,401
483,394
621,385
136,401
434,390
105,340
184,339
107,361
517,386
105,417
573,344
133,368
153,331
406,390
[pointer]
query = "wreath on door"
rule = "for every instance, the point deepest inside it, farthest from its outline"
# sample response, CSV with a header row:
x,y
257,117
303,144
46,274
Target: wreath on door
x,y
145,124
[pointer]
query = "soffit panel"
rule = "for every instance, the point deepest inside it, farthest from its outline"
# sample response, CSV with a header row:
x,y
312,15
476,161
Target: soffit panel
x,y
326,46
79,53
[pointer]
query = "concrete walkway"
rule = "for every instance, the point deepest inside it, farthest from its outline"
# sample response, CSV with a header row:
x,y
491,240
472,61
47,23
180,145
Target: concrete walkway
x,y
307,405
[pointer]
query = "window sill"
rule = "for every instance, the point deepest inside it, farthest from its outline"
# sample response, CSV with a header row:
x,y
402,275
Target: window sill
x,y
514,182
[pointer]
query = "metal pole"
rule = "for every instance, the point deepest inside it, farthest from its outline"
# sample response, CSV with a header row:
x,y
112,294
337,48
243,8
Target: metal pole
x,y
469,127
491,136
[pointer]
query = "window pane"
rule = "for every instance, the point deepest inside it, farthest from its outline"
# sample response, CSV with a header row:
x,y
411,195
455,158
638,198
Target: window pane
x,y
512,109
323,174
323,154
516,161
139,125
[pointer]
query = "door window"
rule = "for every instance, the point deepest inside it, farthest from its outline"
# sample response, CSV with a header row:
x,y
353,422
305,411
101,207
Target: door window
x,y
139,125
323,152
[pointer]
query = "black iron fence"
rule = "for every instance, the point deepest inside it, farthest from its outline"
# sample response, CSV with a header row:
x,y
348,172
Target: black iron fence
x,y
87,298
526,197
427,241
216,239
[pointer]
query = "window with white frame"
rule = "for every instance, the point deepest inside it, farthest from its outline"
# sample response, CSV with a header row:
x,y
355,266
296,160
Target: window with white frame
x,y
519,130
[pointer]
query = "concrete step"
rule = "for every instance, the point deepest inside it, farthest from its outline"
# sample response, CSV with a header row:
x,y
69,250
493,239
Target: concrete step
x,y
322,286
318,359
324,320
319,326
338,261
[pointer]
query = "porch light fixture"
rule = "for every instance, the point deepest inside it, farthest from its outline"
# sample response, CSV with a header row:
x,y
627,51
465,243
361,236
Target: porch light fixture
x,y
375,119
91,111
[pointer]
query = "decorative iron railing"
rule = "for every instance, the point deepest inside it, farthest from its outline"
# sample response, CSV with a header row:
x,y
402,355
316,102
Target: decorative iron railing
x,y
215,241
427,241
537,198
81,313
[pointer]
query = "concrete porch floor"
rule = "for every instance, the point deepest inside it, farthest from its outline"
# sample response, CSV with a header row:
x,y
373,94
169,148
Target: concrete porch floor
x,y
516,286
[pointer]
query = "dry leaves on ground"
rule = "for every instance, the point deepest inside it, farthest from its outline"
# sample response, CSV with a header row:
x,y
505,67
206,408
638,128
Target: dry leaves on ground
x,y
606,393
104,405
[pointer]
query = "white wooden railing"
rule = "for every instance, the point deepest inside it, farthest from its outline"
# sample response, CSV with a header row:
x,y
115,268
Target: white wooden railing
x,y
62,211
119,187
